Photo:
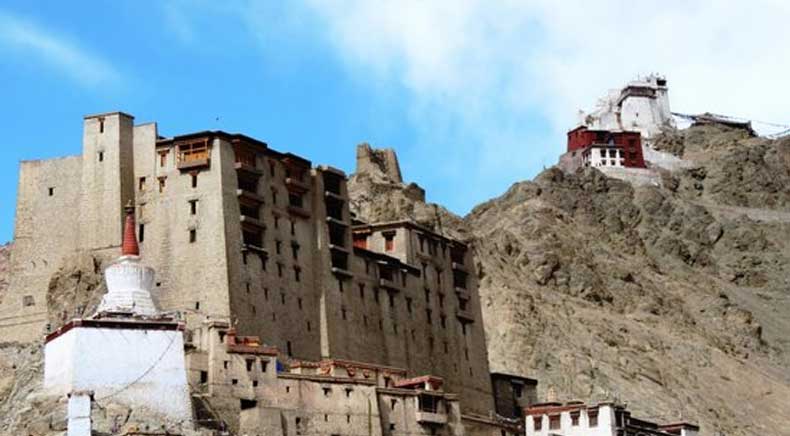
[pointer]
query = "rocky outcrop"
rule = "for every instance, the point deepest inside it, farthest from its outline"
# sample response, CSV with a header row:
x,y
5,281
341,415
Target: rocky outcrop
x,y
76,289
375,196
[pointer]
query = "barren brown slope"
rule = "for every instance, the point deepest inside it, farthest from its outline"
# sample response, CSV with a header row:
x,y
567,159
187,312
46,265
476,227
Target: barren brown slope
x,y
673,299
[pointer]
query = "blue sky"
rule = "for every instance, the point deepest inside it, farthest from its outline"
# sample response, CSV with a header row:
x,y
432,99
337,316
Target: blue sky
x,y
473,95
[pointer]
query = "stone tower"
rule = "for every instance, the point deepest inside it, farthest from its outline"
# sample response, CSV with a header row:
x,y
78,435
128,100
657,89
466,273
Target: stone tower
x,y
107,177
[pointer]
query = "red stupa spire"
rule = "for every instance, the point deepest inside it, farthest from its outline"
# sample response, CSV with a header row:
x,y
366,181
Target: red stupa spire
x,y
129,245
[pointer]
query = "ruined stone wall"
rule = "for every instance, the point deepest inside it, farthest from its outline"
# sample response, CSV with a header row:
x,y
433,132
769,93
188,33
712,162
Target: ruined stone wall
x,y
385,160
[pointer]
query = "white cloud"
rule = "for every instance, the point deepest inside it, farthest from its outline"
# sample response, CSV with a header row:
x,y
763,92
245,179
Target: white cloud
x,y
482,67
29,38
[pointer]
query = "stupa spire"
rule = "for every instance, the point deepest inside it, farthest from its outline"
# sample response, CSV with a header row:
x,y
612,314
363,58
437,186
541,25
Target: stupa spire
x,y
129,245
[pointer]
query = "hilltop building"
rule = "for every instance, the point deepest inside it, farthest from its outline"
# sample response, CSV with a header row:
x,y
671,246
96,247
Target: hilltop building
x,y
642,105
250,242
603,419
616,136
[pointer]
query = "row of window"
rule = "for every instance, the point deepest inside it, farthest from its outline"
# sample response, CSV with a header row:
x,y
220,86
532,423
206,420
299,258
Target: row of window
x,y
555,422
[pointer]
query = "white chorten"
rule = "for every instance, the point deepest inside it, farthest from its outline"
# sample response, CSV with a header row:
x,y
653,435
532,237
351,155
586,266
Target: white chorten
x,y
129,282
125,354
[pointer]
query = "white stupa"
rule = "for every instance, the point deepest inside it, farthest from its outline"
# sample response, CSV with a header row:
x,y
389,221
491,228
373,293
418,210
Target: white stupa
x,y
124,354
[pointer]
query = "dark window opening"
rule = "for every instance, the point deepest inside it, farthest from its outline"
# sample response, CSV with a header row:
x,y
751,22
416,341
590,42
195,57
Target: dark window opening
x,y
339,260
459,279
162,183
203,377
192,236
337,234
51,191
332,183
248,404
141,232
101,156
361,291
554,422
141,183
389,241
457,255
264,364
386,272
197,305
101,125
245,183
295,250
288,347
193,207
295,200
249,363
429,403
334,208
293,228
297,273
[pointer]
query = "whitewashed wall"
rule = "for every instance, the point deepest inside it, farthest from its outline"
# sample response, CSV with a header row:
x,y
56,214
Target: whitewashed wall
x,y
110,362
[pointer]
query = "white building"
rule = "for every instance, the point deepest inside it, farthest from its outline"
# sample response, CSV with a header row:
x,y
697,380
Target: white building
x,y
126,354
602,156
642,105
603,419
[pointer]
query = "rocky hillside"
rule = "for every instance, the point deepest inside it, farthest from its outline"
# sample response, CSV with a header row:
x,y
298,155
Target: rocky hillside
x,y
673,299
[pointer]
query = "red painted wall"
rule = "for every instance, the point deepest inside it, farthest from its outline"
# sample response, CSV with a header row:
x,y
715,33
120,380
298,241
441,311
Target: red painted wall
x,y
630,142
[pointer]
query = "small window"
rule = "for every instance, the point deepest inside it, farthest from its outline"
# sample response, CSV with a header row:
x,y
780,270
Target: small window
x,y
575,418
234,381
51,191
264,364
327,391
193,207
537,422
203,377
295,250
192,236
194,180
288,347
197,305
141,232
141,184
554,422
592,418
162,159
162,183
101,156
389,241
278,246
225,364
249,363
293,228
101,125
361,291
28,301
297,273
348,392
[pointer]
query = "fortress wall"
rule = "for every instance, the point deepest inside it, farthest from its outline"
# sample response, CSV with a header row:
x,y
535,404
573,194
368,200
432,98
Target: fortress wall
x,y
46,230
